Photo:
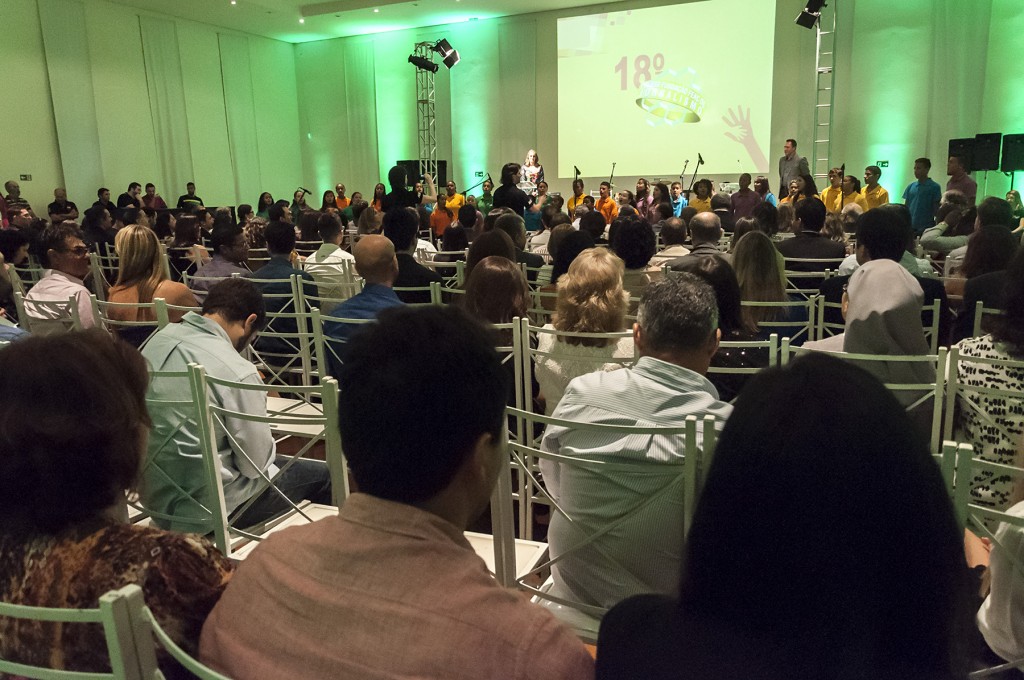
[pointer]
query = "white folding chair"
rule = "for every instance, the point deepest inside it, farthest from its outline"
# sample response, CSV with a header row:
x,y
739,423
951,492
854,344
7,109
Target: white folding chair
x,y
112,614
48,317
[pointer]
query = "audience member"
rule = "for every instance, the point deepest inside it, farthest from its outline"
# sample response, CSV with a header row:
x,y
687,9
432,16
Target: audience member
x,y
66,258
953,228
230,252
73,424
975,413
151,199
745,199
673,235
722,206
760,276
732,326
376,263
186,254
883,236
326,263
676,336
590,299
568,249
593,223
141,278
705,233
189,200
809,243
131,196
401,226
98,229
173,479
956,168
274,280
336,583
636,244
838,606
494,242
515,227
61,209
990,249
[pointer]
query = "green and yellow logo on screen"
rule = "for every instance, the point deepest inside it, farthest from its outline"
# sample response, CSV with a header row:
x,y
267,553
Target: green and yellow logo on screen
x,y
671,97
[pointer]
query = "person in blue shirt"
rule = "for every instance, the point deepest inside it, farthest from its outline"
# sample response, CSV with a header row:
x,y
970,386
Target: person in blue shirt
x,y
678,200
377,264
922,197
274,280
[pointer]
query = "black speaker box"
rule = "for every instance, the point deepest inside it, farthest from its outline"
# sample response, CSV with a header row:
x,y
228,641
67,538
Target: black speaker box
x,y
986,151
964,148
412,171
1013,153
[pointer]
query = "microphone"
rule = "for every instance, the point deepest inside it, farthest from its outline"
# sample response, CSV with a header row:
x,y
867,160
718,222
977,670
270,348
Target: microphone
x,y
577,170
306,191
700,159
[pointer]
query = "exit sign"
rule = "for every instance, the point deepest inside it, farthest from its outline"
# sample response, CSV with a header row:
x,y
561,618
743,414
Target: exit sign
x,y
882,164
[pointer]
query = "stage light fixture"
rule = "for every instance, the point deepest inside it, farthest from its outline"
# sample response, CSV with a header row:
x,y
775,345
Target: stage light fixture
x,y
810,14
449,56
425,64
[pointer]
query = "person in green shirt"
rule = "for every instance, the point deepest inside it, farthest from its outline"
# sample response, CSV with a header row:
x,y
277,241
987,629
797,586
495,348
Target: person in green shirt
x,y
486,201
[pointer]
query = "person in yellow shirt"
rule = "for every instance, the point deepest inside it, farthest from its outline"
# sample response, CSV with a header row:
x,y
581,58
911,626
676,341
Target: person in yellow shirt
x,y
453,200
851,193
832,197
874,194
606,204
701,199
576,199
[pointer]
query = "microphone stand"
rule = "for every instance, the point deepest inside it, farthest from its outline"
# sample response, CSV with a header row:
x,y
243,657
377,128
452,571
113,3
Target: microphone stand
x,y
478,184
611,176
700,162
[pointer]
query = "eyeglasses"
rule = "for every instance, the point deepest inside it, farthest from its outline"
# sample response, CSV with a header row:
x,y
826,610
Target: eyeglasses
x,y
77,251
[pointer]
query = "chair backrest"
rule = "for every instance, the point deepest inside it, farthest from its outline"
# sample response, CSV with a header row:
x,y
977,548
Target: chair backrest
x,y
580,533
801,283
112,614
163,311
48,317
767,349
283,349
147,636
257,258
980,314
192,483
335,281
134,332
542,305
104,270
29,274
328,350
452,273
433,290
537,276
922,399
795,319
299,416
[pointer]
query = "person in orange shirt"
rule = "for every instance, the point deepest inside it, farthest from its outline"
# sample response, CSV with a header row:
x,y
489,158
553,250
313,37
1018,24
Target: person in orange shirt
x,y
873,193
340,199
606,204
440,219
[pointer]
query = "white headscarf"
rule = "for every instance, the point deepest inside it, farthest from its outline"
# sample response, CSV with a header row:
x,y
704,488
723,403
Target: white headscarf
x,y
884,318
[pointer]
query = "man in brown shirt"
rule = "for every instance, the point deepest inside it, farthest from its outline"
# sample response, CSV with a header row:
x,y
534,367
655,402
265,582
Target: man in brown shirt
x,y
390,588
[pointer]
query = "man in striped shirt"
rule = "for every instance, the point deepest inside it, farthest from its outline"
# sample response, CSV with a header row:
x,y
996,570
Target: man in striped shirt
x,y
676,335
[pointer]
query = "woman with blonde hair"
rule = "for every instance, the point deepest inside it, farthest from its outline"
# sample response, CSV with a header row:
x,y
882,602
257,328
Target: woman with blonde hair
x,y
141,278
591,299
760,275
532,170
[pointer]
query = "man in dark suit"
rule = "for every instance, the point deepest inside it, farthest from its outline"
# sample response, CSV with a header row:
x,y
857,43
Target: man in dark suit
x,y
401,225
514,225
721,205
810,244
881,235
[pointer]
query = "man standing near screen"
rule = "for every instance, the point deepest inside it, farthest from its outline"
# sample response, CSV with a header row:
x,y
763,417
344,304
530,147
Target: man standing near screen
x,y
791,166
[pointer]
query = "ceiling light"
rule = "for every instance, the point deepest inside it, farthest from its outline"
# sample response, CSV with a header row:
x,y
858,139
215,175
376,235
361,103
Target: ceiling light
x,y
302,21
375,10
449,56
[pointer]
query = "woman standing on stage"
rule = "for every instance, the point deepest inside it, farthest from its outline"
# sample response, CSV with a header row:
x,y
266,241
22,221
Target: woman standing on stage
x,y
532,170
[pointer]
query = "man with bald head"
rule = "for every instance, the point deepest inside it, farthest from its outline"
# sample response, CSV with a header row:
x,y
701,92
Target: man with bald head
x,y
377,264
705,233
61,210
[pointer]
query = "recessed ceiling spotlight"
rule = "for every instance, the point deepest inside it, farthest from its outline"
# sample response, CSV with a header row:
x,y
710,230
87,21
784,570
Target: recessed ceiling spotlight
x,y
302,21
375,10
234,2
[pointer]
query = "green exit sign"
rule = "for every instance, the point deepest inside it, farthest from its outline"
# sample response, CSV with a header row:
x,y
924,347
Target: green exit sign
x,y
882,164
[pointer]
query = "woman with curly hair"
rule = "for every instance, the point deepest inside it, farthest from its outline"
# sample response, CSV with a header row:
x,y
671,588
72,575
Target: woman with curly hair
x,y
590,299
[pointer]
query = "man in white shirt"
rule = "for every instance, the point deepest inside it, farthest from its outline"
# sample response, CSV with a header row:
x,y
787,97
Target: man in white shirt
x,y
673,236
676,335
67,257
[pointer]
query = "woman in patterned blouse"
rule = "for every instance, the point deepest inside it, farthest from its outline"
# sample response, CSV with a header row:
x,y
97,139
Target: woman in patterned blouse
x,y
73,426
